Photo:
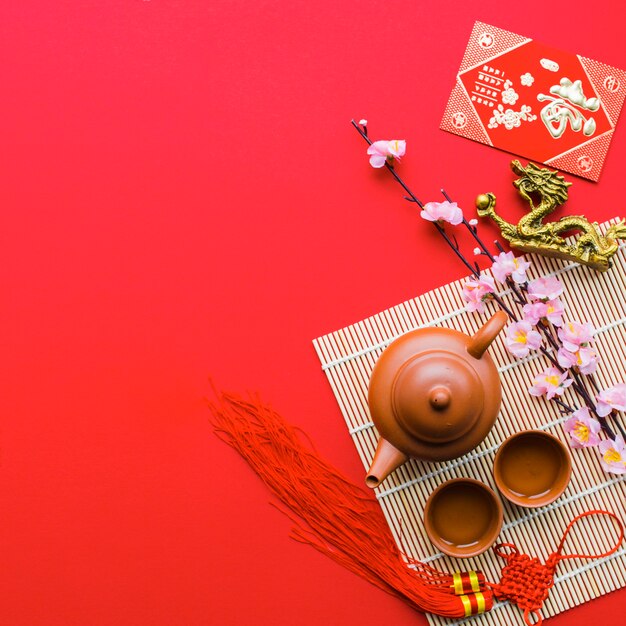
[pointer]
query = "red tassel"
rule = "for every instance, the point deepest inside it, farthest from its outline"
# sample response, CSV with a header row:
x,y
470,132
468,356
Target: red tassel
x,y
335,516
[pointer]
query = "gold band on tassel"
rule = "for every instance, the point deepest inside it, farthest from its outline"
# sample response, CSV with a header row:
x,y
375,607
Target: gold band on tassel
x,y
458,583
479,601
467,605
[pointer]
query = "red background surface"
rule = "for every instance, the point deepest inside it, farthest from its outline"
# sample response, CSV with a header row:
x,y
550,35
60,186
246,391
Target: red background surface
x,y
183,197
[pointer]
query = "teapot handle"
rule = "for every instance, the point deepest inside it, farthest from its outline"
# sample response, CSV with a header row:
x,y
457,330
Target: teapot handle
x,y
482,339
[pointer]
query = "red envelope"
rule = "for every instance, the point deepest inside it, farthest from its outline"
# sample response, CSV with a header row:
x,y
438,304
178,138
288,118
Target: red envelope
x,y
535,101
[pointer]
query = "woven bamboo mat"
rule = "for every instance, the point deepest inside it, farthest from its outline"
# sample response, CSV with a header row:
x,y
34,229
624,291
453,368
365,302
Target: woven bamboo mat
x,y
348,356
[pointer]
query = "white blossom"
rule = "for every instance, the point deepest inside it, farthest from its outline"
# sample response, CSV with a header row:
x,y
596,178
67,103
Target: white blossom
x,y
509,96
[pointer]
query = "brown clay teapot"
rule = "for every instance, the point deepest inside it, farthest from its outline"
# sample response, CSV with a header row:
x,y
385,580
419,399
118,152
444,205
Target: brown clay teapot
x,y
434,394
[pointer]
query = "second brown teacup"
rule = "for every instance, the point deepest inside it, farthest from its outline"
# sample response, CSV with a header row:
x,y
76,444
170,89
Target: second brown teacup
x,y
532,468
463,517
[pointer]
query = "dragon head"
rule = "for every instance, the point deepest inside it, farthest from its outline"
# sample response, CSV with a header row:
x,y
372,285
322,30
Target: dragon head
x,y
542,182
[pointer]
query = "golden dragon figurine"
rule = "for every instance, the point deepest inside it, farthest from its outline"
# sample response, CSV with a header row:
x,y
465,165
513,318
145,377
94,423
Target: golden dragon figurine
x,y
532,234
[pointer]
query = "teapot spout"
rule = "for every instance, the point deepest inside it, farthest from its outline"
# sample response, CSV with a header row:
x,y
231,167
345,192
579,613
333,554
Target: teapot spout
x,y
387,459
482,339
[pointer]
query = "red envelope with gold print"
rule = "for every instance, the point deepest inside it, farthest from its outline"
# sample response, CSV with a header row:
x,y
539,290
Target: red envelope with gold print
x,y
541,103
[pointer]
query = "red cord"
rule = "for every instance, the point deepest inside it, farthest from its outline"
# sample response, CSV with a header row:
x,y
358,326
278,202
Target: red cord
x,y
346,523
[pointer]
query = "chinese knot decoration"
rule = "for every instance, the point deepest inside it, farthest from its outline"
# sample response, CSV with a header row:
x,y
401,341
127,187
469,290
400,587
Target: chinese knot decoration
x,y
526,581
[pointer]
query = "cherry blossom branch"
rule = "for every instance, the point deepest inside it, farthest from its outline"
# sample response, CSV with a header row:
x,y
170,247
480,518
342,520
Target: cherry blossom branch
x,y
542,310
520,292
566,408
453,244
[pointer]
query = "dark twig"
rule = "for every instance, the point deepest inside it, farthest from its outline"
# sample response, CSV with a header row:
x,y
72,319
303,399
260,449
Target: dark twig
x,y
472,231
565,408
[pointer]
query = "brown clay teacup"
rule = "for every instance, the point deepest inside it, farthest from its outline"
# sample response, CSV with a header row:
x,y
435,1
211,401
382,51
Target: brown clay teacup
x,y
463,517
532,468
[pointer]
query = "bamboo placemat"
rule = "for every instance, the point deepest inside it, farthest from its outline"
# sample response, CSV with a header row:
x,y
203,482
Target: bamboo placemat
x,y
348,356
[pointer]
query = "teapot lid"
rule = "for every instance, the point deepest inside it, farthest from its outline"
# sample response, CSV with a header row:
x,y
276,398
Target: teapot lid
x,y
437,396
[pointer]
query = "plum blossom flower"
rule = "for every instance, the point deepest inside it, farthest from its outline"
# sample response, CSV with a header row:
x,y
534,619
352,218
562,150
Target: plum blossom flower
x,y
545,288
384,151
363,122
477,292
477,251
442,212
534,312
574,334
552,310
521,338
509,96
612,398
551,382
585,359
511,120
583,429
473,222
506,264
613,455
527,79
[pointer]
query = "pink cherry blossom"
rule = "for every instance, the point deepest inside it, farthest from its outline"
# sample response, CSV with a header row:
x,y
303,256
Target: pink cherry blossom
x,y
585,359
583,429
477,292
612,398
535,312
545,288
521,338
552,310
384,151
574,334
397,148
551,382
506,264
613,455
566,358
442,212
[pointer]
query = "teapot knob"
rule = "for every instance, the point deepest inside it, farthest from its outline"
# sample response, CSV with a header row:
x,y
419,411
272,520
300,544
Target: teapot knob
x,y
439,398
